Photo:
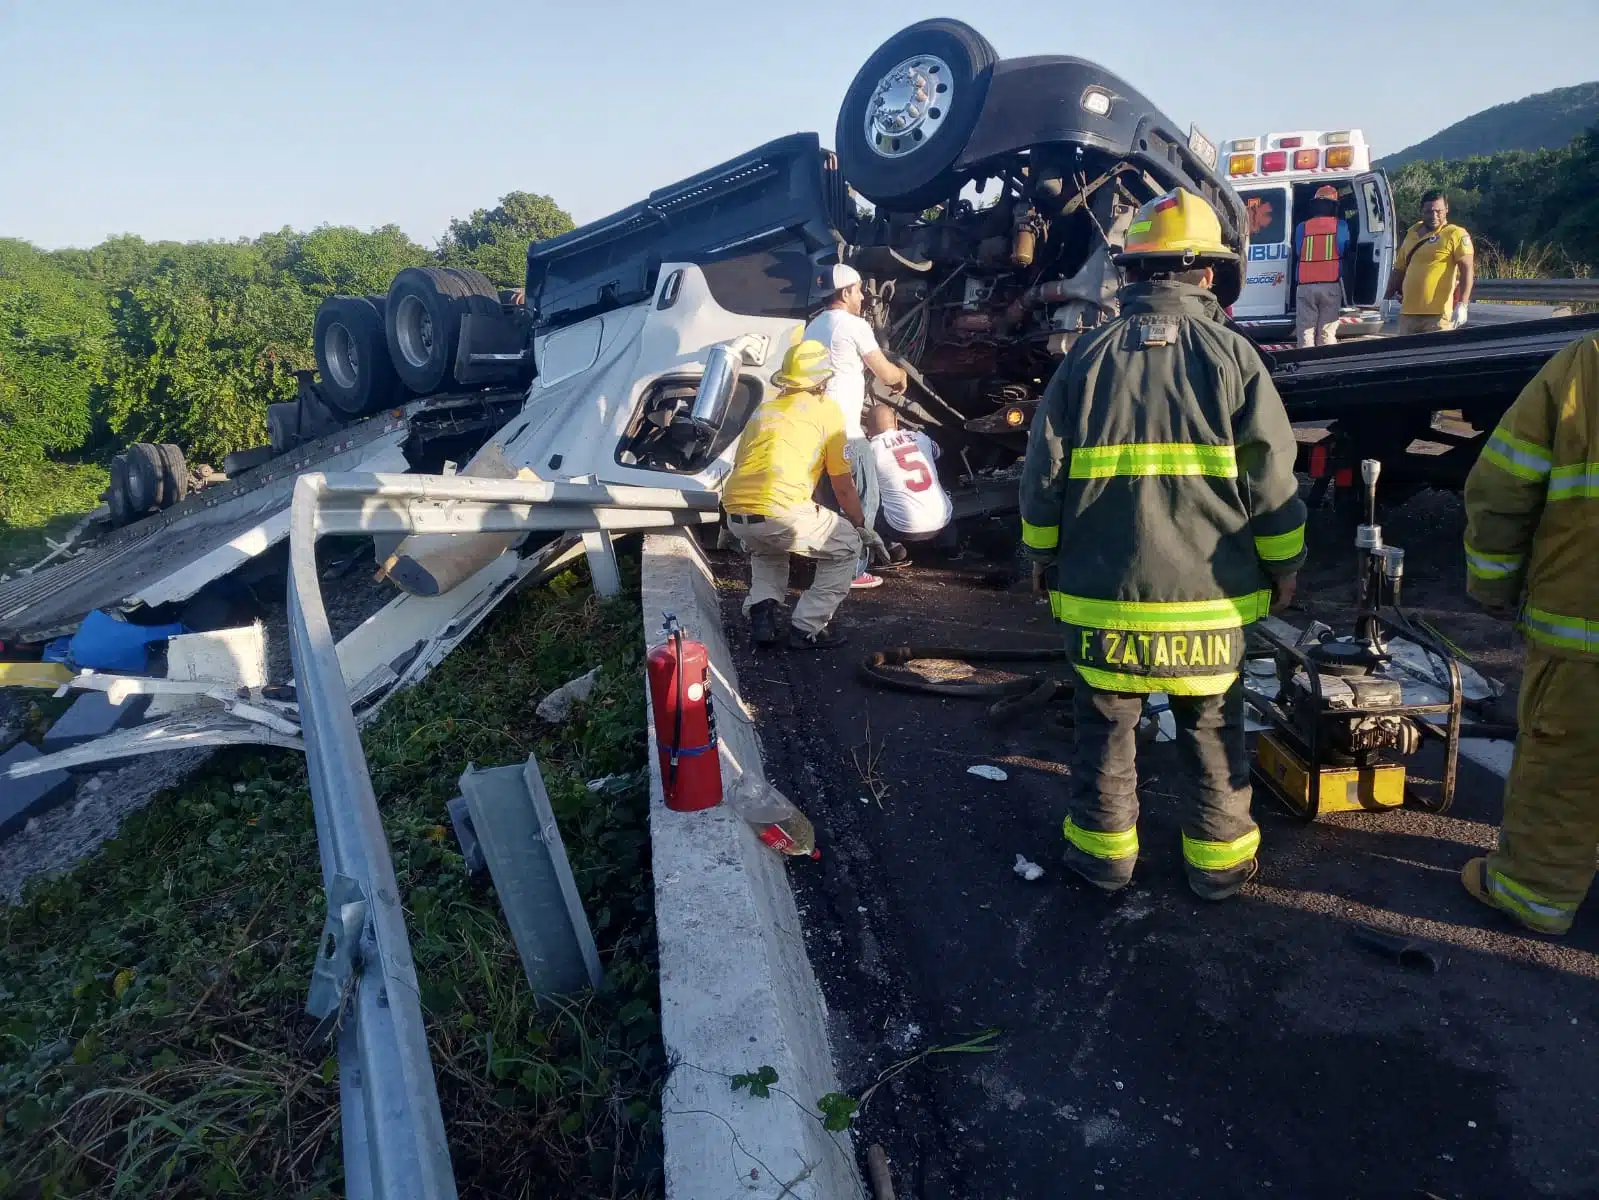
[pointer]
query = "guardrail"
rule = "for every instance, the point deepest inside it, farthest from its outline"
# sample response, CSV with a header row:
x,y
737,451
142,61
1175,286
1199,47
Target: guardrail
x,y
364,984
1543,291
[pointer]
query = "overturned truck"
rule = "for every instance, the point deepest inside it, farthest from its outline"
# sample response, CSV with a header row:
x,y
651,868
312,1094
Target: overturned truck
x,y
983,201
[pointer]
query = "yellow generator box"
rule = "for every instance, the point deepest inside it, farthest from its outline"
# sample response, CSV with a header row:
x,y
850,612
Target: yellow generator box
x,y
1343,789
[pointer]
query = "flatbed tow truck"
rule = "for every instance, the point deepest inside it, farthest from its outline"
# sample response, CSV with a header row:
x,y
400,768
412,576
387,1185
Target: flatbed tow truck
x,y
982,200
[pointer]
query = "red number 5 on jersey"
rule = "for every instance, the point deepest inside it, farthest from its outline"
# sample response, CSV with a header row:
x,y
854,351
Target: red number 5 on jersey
x,y
918,475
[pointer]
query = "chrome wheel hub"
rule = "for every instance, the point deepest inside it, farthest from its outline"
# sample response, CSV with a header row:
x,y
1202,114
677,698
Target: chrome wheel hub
x,y
909,105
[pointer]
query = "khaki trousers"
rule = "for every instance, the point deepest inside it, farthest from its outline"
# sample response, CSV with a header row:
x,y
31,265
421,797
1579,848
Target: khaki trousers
x,y
814,532
1429,324
1316,307
1545,860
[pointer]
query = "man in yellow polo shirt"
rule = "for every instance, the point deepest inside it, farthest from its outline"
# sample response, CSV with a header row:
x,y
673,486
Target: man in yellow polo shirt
x,y
790,442
1435,270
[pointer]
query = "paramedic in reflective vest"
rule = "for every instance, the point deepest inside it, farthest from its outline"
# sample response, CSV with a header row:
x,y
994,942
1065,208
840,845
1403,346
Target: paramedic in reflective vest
x,y
1159,481
789,443
852,351
1532,545
1319,245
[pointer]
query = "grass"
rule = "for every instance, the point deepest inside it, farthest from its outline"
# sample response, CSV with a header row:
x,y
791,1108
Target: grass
x,y
153,1040
1535,260
55,497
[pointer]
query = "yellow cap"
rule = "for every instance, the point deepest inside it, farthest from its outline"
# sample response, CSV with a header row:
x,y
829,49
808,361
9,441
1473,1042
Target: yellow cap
x,y
1176,225
805,368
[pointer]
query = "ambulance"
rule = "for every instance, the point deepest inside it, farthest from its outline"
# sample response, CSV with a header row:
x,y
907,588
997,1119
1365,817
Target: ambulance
x,y
1276,176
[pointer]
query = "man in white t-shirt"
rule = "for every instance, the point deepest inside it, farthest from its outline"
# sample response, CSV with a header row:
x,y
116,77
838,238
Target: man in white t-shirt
x,y
852,350
915,505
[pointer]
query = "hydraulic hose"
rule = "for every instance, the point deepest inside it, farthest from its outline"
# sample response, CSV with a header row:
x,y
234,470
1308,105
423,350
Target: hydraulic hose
x,y
1011,696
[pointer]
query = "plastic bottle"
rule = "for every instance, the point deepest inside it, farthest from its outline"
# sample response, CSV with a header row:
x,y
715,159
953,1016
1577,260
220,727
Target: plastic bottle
x,y
775,819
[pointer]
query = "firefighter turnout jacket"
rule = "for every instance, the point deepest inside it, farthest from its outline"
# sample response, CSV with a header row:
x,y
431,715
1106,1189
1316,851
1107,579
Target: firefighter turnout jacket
x,y
1532,507
1159,480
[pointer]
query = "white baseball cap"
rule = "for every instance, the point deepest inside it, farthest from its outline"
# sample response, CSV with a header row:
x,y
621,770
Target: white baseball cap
x,y
842,277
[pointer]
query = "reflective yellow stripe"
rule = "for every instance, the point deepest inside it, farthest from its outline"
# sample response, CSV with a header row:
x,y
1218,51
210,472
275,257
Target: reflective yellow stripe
x,y
1147,616
1578,482
1529,905
1280,547
1491,566
1040,537
1221,856
1523,459
1102,845
1154,458
1565,633
1172,685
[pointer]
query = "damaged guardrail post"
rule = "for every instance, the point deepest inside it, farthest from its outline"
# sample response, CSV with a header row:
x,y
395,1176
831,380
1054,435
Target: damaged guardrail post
x,y
365,982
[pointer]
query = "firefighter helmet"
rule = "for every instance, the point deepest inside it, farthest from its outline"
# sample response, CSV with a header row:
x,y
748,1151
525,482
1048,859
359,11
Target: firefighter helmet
x,y
1177,225
1327,192
805,368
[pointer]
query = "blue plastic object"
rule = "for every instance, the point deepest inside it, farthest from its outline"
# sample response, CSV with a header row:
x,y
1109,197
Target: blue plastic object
x,y
104,643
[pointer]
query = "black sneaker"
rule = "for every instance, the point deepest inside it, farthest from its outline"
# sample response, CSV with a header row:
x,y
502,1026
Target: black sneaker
x,y
763,623
823,639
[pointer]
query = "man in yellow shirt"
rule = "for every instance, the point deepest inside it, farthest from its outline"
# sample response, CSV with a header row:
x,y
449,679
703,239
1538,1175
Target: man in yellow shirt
x,y
790,441
1435,270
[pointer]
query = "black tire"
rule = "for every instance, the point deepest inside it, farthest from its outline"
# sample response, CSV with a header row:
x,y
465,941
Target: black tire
x,y
422,322
283,426
174,475
116,496
352,355
922,174
144,476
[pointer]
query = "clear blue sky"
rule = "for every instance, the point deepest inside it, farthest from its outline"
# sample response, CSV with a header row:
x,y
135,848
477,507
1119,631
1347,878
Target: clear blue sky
x,y
204,120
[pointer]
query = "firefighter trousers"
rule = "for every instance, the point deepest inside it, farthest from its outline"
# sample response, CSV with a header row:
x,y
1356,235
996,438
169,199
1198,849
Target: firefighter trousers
x,y
1219,836
1545,859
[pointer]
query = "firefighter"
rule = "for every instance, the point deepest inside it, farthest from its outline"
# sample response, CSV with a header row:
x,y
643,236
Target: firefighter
x,y
1319,245
1532,539
1159,482
790,442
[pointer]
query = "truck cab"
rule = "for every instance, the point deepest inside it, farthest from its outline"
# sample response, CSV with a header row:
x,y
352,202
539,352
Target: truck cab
x,y
1276,176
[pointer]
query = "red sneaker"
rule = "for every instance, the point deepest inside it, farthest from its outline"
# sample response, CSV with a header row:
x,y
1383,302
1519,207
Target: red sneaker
x,y
865,580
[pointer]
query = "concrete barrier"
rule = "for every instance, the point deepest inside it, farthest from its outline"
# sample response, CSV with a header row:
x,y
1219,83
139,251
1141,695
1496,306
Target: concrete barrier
x,y
737,990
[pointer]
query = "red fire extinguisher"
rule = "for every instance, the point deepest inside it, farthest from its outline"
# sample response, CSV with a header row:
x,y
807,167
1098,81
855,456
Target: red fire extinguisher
x,y
685,727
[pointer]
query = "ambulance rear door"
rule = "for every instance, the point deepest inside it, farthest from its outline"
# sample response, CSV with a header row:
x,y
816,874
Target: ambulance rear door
x,y
1266,291
1375,247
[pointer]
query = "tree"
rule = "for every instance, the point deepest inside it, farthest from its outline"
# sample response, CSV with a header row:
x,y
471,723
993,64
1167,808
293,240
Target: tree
x,y
54,333
495,240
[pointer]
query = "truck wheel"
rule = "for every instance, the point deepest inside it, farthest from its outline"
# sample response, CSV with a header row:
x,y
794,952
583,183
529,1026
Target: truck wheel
x,y
174,474
909,111
116,496
423,321
283,426
144,477
352,355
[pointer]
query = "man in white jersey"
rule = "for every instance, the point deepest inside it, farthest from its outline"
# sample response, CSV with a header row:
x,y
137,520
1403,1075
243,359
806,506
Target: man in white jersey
x,y
852,350
915,505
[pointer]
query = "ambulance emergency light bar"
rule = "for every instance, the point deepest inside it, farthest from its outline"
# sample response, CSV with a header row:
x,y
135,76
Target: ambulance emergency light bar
x,y
1276,154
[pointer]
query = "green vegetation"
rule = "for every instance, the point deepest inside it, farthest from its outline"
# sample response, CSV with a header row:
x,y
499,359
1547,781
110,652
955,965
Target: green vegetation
x,y
153,1040
1531,212
189,342
1545,121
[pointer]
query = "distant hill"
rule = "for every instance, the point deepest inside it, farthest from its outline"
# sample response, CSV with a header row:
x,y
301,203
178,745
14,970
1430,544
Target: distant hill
x,y
1546,121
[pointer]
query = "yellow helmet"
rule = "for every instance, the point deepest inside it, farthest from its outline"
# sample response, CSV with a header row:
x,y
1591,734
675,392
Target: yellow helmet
x,y
805,368
1176,225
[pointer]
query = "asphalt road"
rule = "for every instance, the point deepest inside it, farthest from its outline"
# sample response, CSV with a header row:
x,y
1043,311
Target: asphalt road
x,y
1153,1045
